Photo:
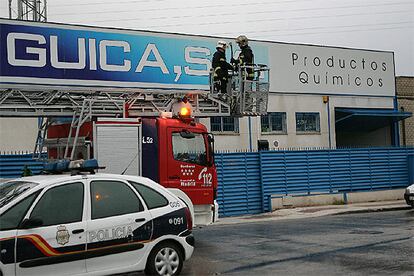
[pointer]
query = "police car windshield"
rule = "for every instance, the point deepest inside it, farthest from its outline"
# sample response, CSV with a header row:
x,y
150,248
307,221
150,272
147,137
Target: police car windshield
x,y
12,189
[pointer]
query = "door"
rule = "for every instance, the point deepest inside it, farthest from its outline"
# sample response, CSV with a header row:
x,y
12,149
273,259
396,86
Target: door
x,y
188,168
10,221
54,239
117,146
117,228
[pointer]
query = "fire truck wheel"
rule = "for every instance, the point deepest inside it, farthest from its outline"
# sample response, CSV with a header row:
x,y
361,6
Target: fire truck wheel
x,y
165,259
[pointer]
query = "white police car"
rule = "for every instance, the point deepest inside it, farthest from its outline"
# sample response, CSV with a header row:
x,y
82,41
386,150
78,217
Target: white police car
x,y
409,195
94,224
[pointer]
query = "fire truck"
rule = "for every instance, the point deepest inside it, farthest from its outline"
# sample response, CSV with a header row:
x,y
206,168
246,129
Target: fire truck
x,y
173,150
90,105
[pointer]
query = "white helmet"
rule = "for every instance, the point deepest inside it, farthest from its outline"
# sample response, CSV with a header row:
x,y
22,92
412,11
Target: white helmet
x,y
221,44
242,40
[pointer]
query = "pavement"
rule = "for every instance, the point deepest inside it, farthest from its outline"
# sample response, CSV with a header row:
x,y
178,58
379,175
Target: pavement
x,y
317,211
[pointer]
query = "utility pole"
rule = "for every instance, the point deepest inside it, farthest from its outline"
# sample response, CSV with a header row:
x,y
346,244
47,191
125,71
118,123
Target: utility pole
x,y
30,10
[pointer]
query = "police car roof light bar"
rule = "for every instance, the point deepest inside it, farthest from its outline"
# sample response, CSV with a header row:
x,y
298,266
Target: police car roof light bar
x,y
75,166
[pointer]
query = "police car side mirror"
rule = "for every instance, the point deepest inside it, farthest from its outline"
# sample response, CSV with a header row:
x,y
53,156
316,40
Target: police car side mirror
x,y
31,223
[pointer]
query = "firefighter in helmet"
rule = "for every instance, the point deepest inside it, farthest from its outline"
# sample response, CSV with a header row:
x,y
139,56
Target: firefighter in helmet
x,y
221,67
246,56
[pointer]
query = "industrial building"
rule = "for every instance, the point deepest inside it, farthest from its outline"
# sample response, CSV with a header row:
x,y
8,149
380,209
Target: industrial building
x,y
319,96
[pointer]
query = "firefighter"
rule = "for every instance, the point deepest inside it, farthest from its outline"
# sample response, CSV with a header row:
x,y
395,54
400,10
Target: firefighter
x,y
221,67
246,56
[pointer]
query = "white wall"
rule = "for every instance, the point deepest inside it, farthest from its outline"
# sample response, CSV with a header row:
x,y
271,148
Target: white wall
x,y
291,104
20,133
17,134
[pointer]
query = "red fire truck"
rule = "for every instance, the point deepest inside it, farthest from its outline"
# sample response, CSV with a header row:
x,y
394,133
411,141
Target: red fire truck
x,y
173,150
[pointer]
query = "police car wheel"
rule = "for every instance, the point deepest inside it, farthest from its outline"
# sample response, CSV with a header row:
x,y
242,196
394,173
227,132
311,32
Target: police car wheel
x,y
165,259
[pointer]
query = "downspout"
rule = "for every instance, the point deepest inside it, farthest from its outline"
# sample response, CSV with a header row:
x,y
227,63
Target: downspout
x,y
250,134
395,129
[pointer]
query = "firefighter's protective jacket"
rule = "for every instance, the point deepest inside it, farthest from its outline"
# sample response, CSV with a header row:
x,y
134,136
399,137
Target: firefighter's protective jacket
x,y
220,66
246,57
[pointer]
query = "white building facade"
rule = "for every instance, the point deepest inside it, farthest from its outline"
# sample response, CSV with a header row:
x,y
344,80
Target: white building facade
x,y
320,96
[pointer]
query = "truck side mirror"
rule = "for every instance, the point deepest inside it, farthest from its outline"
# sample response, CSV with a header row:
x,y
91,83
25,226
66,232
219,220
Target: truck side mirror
x,y
31,223
210,139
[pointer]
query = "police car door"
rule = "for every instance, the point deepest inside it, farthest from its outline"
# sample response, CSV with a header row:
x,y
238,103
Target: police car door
x,y
9,222
118,226
53,240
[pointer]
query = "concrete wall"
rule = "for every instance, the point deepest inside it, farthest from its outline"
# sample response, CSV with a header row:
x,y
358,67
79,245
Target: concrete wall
x,y
335,199
17,134
405,96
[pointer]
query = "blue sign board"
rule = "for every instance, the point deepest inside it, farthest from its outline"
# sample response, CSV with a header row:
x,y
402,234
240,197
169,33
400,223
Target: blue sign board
x,y
65,55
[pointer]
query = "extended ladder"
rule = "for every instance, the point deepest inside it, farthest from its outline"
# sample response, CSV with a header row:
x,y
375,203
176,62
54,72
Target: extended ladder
x,y
108,103
82,105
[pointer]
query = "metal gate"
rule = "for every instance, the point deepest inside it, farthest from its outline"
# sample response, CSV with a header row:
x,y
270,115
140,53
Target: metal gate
x,y
247,180
12,165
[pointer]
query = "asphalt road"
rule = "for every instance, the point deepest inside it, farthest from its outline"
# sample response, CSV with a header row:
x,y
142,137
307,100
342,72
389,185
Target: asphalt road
x,y
376,243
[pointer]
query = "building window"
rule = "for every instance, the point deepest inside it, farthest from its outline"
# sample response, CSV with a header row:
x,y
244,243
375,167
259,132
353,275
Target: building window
x,y
274,122
224,124
307,122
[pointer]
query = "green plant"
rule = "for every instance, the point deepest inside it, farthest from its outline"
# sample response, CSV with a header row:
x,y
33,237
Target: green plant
x,y
26,171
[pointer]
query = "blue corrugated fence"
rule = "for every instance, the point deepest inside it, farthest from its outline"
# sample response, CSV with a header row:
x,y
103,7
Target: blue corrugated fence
x,y
12,165
247,180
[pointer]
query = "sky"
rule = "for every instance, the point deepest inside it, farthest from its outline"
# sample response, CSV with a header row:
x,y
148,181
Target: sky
x,y
365,24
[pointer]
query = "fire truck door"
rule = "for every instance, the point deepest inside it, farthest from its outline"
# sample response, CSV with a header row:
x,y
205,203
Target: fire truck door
x,y
187,165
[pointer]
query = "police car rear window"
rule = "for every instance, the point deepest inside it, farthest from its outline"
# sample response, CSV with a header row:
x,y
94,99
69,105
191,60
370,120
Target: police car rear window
x,y
113,198
152,198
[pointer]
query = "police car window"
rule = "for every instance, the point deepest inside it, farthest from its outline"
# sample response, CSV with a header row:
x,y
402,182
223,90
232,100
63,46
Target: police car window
x,y
59,205
113,198
152,198
12,217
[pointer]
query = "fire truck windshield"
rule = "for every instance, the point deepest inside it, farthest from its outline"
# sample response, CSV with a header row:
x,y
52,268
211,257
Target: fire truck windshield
x,y
191,149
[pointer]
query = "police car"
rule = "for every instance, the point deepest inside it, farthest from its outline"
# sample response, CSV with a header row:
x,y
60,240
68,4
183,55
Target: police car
x,y
93,224
409,195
